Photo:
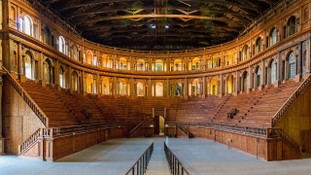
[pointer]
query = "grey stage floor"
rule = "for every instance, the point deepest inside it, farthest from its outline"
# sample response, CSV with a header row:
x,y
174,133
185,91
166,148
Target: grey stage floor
x,y
115,157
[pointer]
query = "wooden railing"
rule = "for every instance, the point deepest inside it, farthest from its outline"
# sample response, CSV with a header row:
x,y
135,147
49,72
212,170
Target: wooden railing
x,y
176,166
26,97
136,128
185,131
39,133
140,166
282,111
279,132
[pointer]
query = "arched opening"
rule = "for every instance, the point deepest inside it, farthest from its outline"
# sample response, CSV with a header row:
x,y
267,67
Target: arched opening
x,y
123,87
140,65
159,65
257,77
244,81
75,81
90,84
194,64
89,57
244,54
179,89
29,66
61,44
291,59
195,87
140,89
273,37
292,25
159,89
214,86
46,36
123,64
105,86
28,25
178,66
48,71
62,77
230,84
273,73
75,52
258,45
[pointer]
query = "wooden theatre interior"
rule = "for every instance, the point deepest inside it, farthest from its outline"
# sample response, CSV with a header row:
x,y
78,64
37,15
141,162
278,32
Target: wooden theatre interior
x,y
236,72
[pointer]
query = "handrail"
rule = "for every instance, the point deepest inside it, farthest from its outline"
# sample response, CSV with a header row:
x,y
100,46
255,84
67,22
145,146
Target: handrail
x,y
240,129
133,131
185,131
26,97
281,112
279,132
140,166
176,166
30,141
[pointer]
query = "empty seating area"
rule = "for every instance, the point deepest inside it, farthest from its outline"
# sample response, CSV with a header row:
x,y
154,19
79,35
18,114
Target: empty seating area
x,y
254,109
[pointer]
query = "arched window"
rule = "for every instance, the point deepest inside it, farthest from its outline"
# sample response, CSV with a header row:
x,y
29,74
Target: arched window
x,y
28,64
89,57
258,45
159,65
46,36
75,52
244,81
140,89
140,65
214,86
292,65
48,72
257,77
28,25
159,89
61,44
62,78
195,64
292,25
123,63
90,84
179,89
273,72
123,87
105,86
178,65
230,84
75,81
273,37
244,55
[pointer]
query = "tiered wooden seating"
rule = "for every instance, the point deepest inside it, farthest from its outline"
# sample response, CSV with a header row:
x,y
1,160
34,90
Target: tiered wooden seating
x,y
51,105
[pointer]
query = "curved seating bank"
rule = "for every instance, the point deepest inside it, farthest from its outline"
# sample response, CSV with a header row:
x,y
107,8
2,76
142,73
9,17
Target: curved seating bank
x,y
245,93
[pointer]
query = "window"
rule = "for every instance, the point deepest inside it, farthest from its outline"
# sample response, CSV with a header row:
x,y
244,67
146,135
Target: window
x,y
258,45
273,37
75,81
159,65
75,52
273,72
292,66
48,72
61,44
292,25
244,54
140,89
46,36
28,66
28,25
62,78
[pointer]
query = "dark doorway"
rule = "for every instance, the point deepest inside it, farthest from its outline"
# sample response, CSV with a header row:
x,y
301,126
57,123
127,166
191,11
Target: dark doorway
x,y
158,124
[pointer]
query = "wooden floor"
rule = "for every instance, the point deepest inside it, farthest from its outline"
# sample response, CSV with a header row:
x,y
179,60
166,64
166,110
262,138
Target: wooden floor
x,y
115,157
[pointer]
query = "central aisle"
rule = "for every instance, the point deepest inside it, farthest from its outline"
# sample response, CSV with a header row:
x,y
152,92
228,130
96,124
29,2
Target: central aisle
x,y
158,164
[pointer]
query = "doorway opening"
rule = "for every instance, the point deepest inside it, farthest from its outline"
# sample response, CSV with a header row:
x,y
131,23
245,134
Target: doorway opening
x,y
159,125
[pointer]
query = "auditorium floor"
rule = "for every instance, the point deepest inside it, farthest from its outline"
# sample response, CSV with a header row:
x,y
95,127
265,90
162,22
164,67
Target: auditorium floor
x,y
115,157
